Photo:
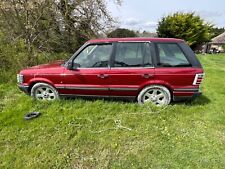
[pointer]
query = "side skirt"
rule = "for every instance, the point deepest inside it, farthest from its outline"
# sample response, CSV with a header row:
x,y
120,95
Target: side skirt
x,y
96,96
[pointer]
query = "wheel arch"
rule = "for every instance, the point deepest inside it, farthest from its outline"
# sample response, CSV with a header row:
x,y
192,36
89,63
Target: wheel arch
x,y
32,82
157,82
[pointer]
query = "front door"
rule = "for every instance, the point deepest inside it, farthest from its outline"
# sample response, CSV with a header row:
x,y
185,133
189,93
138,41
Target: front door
x,y
90,74
132,68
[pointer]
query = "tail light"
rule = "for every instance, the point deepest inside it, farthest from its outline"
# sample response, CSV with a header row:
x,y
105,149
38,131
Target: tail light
x,y
198,79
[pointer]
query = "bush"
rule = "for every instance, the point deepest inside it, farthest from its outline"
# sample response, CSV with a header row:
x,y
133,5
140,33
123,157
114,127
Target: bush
x,y
13,57
122,33
187,26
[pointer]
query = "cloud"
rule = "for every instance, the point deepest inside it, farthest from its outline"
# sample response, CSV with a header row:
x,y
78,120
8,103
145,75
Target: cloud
x,y
151,24
214,17
138,24
211,14
131,21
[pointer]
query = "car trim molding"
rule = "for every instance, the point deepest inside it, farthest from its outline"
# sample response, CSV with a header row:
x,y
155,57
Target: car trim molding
x,y
123,89
140,41
187,89
106,96
81,88
141,67
96,88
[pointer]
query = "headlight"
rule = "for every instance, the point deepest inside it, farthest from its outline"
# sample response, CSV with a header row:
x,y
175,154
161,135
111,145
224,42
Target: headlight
x,y
20,78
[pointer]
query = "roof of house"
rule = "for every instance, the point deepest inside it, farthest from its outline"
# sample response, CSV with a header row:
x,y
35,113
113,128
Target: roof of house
x,y
134,40
219,39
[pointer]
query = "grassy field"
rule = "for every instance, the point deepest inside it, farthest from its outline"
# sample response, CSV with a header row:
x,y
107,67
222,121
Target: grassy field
x,y
116,134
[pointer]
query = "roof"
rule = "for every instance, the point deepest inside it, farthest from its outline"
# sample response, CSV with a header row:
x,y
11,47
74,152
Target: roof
x,y
219,39
134,40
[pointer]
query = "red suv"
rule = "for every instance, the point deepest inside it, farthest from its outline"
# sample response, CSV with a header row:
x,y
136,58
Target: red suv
x,y
158,70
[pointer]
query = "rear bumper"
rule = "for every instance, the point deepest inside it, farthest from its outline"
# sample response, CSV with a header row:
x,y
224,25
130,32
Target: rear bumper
x,y
181,98
186,94
24,89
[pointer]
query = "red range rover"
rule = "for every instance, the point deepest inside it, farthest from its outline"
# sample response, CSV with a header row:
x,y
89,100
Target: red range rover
x,y
158,70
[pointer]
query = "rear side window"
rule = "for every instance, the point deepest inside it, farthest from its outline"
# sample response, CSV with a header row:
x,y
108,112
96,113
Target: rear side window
x,y
171,55
133,54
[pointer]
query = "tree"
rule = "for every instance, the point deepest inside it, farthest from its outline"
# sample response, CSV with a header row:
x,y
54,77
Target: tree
x,y
146,34
121,33
53,25
28,21
83,20
217,31
187,26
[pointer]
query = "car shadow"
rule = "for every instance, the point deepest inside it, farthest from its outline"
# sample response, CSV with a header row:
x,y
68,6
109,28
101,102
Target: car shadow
x,y
201,100
107,99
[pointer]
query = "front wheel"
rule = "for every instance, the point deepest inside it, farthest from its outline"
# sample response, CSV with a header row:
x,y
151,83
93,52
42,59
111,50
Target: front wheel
x,y
44,91
158,95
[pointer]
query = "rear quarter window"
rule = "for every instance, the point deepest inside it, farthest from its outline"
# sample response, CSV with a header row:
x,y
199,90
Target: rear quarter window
x,y
171,55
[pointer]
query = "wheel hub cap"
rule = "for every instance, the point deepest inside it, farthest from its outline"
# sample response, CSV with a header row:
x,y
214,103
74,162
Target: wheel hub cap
x,y
153,98
156,96
45,95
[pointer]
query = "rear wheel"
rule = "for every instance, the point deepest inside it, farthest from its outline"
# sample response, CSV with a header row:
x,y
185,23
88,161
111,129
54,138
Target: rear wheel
x,y
44,91
158,95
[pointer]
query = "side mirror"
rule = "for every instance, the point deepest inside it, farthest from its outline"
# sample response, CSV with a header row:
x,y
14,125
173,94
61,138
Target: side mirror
x,y
70,65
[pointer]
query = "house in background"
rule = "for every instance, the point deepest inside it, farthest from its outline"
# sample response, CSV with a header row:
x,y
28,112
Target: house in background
x,y
216,45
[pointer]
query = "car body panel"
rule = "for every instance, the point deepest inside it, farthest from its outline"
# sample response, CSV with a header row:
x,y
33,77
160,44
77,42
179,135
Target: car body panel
x,y
84,82
128,81
178,80
117,82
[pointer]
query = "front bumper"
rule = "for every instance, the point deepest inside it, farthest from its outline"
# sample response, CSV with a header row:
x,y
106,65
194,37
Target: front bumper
x,y
24,89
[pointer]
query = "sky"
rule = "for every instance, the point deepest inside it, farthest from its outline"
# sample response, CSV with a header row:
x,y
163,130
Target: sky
x,y
145,14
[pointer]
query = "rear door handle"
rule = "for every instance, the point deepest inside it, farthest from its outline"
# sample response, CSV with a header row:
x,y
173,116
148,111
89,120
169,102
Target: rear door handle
x,y
147,75
102,76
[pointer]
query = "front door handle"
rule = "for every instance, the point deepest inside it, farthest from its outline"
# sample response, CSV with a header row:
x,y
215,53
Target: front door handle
x,y
147,75
102,76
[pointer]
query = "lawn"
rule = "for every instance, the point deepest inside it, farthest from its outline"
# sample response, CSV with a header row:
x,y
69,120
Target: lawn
x,y
84,133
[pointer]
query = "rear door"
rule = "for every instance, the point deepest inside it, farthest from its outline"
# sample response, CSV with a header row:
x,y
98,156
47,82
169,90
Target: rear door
x,y
174,68
131,69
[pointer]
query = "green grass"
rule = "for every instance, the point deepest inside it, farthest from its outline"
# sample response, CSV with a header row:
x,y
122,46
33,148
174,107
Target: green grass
x,y
85,133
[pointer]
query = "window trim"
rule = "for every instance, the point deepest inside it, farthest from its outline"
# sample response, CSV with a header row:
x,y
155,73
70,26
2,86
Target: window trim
x,y
158,56
140,67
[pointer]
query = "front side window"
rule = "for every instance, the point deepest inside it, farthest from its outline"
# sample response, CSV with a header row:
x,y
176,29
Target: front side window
x,y
171,55
94,56
133,54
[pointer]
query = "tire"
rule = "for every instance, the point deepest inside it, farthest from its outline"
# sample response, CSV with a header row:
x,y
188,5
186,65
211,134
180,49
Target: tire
x,y
44,91
157,94
31,115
